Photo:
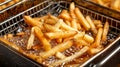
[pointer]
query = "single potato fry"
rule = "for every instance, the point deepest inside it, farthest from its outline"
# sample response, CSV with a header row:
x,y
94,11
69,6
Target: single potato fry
x,y
31,39
74,23
81,42
42,39
105,32
79,26
88,38
50,21
93,28
98,39
50,28
81,18
60,34
71,9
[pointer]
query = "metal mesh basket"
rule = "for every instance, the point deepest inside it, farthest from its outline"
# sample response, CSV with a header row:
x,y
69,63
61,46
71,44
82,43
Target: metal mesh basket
x,y
14,24
16,8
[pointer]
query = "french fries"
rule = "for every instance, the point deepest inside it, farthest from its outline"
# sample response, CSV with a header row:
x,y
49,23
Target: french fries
x,y
67,59
113,4
59,48
57,40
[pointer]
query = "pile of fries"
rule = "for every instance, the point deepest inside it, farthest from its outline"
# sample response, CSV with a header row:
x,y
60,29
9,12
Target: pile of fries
x,y
113,4
8,4
69,28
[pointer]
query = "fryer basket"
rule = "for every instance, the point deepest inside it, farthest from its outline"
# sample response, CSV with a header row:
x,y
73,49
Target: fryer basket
x,y
16,8
99,8
16,23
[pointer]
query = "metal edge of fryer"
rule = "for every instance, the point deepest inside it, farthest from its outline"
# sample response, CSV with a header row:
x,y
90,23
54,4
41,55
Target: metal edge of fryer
x,y
108,47
19,54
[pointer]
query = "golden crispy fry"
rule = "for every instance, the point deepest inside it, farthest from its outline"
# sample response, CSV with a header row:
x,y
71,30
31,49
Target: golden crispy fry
x,y
60,55
32,22
59,48
42,18
31,39
65,15
5,36
3,7
67,59
50,28
93,28
42,39
72,8
93,51
98,36
105,32
81,42
88,38
60,34
115,4
50,21
74,23
58,24
78,26
96,46
66,27
82,19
